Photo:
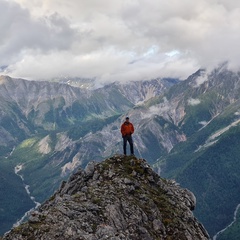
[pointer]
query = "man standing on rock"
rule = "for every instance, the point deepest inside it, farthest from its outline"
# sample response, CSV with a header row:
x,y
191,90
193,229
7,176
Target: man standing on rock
x,y
127,130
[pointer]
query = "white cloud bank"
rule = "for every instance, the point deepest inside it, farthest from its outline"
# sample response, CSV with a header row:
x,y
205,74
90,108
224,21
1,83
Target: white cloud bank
x,y
117,40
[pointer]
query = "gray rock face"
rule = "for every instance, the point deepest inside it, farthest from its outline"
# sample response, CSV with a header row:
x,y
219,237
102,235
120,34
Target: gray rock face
x,y
120,198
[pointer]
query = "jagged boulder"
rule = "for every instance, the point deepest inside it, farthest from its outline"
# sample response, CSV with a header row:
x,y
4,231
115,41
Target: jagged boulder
x,y
120,198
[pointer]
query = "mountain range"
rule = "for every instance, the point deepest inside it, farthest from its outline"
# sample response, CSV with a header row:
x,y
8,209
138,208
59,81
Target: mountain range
x,y
44,132
187,130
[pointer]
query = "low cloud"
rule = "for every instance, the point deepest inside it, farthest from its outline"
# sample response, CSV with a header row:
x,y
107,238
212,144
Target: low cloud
x,y
201,79
117,41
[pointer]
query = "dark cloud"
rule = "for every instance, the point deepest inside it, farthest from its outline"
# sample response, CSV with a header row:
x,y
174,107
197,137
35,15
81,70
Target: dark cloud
x,y
20,33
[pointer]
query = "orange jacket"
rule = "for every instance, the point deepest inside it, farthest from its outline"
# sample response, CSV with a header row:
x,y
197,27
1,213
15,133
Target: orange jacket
x,y
127,128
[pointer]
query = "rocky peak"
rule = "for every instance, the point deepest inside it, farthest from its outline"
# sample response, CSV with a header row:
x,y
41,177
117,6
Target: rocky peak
x,y
119,198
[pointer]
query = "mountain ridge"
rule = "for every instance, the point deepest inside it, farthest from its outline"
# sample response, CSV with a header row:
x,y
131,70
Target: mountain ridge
x,y
119,198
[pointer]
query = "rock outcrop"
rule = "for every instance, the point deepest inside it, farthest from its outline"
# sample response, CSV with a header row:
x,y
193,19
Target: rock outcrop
x,y
120,198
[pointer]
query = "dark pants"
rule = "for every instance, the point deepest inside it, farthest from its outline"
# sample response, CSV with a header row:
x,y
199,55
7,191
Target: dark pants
x,y
127,138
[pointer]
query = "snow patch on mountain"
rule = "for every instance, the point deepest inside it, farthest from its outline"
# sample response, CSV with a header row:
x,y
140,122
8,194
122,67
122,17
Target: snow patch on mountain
x,y
193,102
237,113
204,123
214,137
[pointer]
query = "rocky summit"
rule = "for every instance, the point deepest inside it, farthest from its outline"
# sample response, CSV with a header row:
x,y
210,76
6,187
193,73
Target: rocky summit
x,y
120,198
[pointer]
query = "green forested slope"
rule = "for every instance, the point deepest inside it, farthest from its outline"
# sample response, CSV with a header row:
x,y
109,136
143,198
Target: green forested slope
x,y
212,174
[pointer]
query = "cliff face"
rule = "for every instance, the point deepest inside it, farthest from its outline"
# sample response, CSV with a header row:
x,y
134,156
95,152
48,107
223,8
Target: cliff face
x,y
119,198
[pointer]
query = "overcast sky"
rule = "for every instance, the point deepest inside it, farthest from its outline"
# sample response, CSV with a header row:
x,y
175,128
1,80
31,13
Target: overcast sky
x,y
117,39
